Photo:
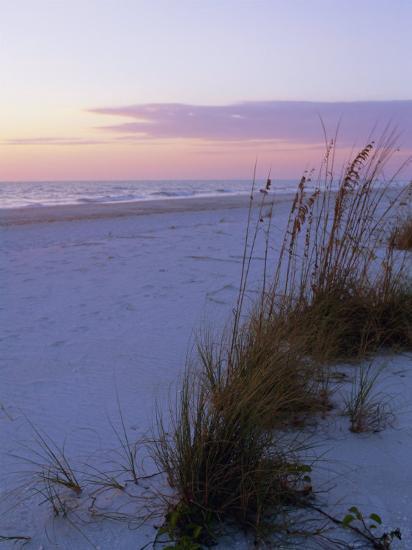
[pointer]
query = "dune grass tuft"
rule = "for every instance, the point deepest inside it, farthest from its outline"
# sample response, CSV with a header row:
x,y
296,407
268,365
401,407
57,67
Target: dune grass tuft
x,y
367,408
273,376
351,323
223,465
51,465
349,294
335,293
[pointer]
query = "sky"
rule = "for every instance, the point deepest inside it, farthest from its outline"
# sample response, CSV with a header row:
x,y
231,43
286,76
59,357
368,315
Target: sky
x,y
154,89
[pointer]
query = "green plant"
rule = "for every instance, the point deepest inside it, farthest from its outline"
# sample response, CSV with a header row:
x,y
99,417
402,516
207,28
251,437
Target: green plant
x,y
368,527
181,529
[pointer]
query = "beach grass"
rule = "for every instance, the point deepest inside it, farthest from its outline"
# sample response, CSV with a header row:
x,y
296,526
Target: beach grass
x,y
336,293
335,278
367,408
224,467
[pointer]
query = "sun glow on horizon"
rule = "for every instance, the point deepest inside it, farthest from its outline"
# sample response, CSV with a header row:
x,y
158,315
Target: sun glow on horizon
x,y
174,89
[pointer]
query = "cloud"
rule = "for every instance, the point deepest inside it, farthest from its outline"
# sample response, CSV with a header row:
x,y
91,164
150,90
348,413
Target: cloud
x,y
286,121
52,141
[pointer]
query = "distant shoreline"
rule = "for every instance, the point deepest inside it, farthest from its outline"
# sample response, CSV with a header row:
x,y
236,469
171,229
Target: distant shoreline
x,y
64,213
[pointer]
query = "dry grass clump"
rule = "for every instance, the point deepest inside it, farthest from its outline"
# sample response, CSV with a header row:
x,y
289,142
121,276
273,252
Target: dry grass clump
x,y
222,464
332,277
52,476
51,467
401,237
226,453
368,410
268,368
349,323
333,295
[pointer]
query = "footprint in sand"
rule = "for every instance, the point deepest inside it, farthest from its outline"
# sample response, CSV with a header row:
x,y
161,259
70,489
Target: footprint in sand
x,y
4,413
82,328
229,288
58,343
219,302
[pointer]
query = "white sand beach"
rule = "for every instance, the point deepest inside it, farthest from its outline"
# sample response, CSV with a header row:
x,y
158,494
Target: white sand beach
x,y
100,300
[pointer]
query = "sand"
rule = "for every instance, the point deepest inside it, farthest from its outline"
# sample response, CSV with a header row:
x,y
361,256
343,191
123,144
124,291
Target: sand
x,y
106,299
73,212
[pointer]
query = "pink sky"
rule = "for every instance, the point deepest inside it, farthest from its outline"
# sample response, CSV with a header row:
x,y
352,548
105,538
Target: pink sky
x,y
182,89
161,141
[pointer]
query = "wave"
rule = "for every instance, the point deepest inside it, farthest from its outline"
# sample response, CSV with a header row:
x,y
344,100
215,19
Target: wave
x,y
39,194
188,193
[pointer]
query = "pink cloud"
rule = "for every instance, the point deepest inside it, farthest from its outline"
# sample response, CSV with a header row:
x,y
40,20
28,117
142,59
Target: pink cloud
x,y
288,121
52,141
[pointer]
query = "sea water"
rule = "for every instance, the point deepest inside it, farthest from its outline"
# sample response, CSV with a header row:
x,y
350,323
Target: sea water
x,y
49,193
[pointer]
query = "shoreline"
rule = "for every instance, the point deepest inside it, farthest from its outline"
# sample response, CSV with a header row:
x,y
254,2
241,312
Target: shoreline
x,y
73,212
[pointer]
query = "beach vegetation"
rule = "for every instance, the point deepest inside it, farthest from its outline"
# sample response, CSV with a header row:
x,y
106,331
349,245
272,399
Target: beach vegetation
x,y
349,294
368,525
127,453
368,409
401,236
368,528
224,467
336,292
52,467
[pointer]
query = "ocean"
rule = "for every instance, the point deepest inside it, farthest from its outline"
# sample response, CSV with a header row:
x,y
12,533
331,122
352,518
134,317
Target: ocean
x,y
49,193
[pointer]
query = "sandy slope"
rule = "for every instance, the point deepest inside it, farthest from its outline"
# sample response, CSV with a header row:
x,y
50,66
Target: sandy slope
x,y
108,297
